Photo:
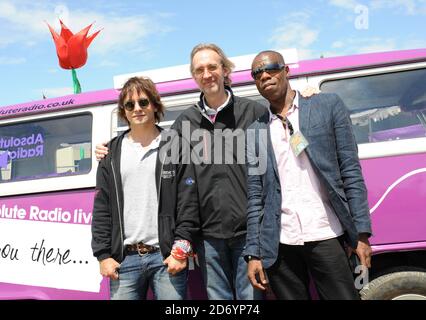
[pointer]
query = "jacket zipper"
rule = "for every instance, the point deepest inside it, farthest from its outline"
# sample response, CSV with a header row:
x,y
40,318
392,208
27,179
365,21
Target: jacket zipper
x,y
119,210
203,113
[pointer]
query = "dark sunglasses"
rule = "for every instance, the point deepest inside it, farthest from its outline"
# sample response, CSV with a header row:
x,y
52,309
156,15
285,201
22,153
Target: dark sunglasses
x,y
130,105
269,68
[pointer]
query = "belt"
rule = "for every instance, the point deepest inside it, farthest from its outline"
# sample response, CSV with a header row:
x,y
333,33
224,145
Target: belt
x,y
141,248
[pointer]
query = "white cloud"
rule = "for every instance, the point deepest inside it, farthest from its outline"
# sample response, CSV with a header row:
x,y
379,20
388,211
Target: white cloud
x,y
299,15
25,23
292,33
307,54
369,45
297,34
345,4
376,45
373,44
5,40
410,7
337,44
11,60
414,44
28,18
107,63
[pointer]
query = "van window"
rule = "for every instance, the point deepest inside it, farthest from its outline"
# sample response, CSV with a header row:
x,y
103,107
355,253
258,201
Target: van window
x,y
384,107
119,125
46,148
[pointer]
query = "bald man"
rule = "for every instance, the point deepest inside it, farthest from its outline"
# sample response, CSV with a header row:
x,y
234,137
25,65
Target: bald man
x,y
310,204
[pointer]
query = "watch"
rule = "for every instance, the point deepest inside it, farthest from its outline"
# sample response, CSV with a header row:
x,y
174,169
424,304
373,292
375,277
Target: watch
x,y
249,258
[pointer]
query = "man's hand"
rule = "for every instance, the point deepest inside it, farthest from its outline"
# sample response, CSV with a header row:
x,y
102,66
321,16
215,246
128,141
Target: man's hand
x,y
175,265
101,151
109,268
254,268
309,91
363,250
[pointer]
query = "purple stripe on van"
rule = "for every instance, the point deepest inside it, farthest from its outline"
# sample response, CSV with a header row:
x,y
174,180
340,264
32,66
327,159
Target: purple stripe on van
x,y
56,104
178,86
359,61
19,292
344,63
399,247
311,67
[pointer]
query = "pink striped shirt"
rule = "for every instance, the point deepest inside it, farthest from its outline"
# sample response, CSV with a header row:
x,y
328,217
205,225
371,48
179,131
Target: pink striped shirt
x,y
306,213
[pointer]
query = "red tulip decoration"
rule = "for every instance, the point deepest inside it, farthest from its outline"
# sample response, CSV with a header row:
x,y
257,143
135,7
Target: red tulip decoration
x,y
72,49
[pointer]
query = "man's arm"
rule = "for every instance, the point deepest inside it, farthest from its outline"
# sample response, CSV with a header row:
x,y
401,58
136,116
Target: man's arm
x,y
353,181
255,271
257,274
187,209
187,202
101,219
186,214
254,194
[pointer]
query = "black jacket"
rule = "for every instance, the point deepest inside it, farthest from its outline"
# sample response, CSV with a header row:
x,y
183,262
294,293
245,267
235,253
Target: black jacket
x,y
221,187
176,216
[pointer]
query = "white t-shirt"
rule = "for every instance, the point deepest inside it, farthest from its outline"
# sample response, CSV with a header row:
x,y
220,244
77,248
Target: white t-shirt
x,y
140,192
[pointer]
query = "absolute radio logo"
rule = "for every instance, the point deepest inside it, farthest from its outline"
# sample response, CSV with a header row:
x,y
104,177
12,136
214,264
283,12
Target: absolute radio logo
x,y
20,148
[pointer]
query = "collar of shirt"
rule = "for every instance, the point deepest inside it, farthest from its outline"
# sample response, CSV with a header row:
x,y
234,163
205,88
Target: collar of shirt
x,y
155,144
273,116
212,112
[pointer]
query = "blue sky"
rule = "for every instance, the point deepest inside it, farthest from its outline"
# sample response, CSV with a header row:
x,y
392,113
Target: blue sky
x,y
148,34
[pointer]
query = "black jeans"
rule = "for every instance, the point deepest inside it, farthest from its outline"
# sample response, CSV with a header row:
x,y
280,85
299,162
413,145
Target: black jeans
x,y
325,261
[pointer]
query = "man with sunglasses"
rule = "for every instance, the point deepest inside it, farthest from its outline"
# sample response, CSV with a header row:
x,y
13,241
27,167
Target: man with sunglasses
x,y
311,200
221,187
222,196
140,231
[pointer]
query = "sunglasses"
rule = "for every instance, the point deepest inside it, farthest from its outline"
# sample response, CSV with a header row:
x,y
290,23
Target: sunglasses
x,y
130,105
269,68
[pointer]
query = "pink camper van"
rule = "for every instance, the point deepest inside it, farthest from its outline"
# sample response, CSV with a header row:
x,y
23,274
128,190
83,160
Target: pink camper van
x,y
47,172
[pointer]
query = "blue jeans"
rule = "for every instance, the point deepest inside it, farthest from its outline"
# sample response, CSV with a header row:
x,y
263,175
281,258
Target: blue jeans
x,y
224,269
137,273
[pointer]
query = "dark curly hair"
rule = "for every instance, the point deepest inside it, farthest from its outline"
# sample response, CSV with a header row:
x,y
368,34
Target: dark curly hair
x,y
140,85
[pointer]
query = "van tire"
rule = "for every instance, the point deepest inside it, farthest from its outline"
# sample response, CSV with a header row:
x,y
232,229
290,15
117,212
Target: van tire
x,y
407,285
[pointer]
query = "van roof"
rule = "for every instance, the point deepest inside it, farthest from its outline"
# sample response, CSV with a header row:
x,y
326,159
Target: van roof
x,y
182,72
297,69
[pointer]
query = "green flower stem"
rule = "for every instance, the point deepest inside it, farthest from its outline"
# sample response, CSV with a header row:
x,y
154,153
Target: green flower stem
x,y
76,83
